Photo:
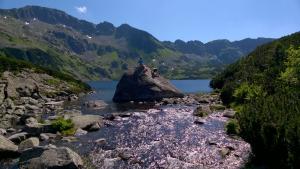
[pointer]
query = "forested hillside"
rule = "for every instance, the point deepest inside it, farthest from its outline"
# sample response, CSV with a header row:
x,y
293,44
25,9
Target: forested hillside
x,y
264,88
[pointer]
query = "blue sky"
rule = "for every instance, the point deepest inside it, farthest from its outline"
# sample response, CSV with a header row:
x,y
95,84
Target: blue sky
x,y
203,20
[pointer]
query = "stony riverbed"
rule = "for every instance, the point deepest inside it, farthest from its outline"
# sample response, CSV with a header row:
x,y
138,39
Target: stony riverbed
x,y
167,137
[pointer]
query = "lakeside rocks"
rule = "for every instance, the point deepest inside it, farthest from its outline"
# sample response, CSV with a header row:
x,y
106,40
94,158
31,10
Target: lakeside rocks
x,y
88,122
29,143
29,94
7,148
18,137
142,85
96,104
50,157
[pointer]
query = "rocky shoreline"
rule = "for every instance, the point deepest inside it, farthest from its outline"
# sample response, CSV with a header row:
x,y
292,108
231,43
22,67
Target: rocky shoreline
x,y
26,98
28,137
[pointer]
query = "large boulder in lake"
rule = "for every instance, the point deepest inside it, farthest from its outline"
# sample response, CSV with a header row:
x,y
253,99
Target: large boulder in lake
x,y
143,84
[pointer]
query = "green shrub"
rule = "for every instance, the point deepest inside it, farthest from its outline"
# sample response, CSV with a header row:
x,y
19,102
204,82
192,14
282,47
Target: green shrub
x,y
265,89
272,126
232,127
246,92
65,126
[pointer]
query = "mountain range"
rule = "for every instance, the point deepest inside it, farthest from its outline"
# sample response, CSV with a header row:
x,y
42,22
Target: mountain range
x,y
53,39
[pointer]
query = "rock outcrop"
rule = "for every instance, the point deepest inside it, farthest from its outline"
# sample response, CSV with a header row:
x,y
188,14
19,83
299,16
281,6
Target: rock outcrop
x,y
143,84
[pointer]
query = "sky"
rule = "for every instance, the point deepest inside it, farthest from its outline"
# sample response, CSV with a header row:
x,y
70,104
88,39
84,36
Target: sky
x,y
203,20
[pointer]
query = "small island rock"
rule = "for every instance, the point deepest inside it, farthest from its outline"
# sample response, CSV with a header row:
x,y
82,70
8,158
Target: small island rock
x,y
142,85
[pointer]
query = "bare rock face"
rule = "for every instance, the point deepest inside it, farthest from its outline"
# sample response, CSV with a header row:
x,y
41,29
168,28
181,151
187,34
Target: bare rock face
x,y
144,85
49,158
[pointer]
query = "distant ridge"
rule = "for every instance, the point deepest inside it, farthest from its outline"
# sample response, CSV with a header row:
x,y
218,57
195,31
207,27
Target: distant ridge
x,y
53,39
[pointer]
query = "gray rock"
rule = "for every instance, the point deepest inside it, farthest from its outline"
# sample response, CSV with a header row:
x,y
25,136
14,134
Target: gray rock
x,y
3,131
35,129
229,114
94,127
19,112
18,138
224,152
44,137
110,163
87,122
33,101
47,136
31,107
199,121
141,85
11,130
29,143
2,92
31,120
125,155
50,157
9,104
80,132
101,141
72,97
69,139
7,148
25,90
96,104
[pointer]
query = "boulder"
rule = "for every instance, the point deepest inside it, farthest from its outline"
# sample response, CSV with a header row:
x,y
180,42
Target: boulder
x,y
50,157
101,141
96,104
31,120
3,131
80,132
19,137
2,92
44,137
87,122
7,148
229,114
72,97
199,121
29,143
141,85
47,136
35,129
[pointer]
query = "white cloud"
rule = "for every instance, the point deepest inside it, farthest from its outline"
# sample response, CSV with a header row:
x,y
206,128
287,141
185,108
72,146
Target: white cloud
x,y
81,9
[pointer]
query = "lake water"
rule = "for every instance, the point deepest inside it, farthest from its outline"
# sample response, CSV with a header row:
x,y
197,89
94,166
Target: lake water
x,y
106,89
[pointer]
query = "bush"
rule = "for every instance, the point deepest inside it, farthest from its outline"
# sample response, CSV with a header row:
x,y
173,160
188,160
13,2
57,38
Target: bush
x,y
272,126
66,127
232,127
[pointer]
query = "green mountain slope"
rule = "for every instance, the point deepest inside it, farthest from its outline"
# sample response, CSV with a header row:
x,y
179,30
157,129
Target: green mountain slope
x,y
264,88
56,40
